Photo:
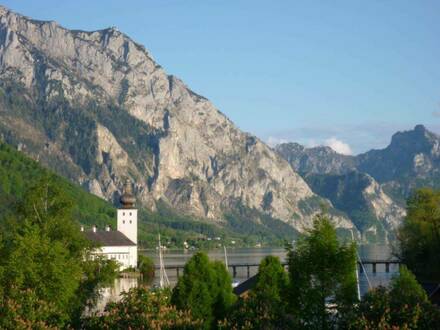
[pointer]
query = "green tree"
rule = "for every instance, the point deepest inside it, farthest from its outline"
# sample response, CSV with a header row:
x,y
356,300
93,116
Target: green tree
x,y
205,289
141,308
419,235
406,298
268,295
146,268
43,260
404,305
322,277
264,307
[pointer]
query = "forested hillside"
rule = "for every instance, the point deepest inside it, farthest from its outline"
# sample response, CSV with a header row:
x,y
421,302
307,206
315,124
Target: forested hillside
x,y
18,173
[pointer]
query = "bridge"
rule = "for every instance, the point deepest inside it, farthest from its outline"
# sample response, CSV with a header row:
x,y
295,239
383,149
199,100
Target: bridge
x,y
362,265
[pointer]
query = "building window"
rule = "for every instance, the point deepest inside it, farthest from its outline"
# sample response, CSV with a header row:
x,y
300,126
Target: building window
x,y
130,221
130,213
123,221
123,213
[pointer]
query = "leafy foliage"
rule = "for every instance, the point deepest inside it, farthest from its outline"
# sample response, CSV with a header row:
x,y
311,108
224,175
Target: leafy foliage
x,y
403,306
146,268
270,289
205,289
419,235
44,271
265,306
322,276
141,308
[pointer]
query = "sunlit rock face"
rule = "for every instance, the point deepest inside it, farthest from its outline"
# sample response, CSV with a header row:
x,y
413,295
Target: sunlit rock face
x,y
96,107
371,187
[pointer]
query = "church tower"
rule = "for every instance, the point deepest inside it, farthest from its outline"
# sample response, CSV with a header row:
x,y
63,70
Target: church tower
x,y
127,213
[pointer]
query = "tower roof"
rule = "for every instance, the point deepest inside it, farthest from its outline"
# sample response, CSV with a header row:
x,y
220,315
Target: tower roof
x,y
127,198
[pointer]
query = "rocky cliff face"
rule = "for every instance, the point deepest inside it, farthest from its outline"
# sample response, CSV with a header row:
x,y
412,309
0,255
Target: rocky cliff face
x,y
372,187
411,160
97,108
374,213
317,160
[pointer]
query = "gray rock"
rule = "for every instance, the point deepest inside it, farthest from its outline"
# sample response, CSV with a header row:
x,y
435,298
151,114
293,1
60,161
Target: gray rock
x,y
110,111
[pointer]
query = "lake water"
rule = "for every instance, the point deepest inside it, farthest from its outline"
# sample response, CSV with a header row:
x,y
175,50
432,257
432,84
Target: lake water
x,y
253,256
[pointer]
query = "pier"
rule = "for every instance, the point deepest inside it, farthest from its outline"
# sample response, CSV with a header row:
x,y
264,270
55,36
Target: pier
x,y
363,265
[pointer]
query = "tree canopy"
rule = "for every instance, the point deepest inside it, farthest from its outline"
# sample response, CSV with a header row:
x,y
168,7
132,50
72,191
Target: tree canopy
x,y
265,306
419,235
403,305
44,269
205,289
322,274
141,308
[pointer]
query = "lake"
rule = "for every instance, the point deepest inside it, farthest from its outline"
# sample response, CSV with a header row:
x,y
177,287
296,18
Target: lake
x,y
252,256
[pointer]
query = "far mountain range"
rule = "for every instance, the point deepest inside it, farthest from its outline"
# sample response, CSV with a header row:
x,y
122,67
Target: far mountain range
x,y
371,188
95,107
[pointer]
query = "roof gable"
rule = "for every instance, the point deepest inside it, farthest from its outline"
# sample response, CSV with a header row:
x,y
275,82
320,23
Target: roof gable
x,y
109,238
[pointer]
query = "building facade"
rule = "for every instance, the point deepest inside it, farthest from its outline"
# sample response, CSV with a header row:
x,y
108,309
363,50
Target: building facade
x,y
120,244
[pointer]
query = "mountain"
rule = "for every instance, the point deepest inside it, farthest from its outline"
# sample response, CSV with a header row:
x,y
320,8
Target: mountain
x,y
317,160
96,108
357,194
19,173
371,187
411,160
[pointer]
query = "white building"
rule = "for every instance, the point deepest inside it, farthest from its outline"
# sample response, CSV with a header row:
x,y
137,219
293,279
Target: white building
x,y
119,244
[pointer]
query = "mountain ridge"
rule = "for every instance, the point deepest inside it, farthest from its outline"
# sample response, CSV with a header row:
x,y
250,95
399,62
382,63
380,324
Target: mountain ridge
x,y
96,107
410,161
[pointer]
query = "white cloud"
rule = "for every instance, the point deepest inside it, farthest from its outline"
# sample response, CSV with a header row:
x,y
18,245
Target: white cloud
x,y
338,146
273,141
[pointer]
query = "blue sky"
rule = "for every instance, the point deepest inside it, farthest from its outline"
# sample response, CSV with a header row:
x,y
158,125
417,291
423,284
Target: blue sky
x,y
343,73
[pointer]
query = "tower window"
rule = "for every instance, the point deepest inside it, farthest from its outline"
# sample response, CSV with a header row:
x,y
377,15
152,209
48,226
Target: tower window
x,y
123,213
123,221
130,213
130,221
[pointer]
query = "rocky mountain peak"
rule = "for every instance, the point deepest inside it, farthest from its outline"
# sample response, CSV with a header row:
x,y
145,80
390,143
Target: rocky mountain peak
x,y
97,108
317,160
418,140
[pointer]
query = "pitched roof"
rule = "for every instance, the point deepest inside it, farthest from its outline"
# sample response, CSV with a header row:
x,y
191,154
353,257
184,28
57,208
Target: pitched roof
x,y
246,285
431,288
109,238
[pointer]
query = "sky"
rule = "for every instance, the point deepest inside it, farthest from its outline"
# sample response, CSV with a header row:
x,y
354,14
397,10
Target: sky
x,y
347,74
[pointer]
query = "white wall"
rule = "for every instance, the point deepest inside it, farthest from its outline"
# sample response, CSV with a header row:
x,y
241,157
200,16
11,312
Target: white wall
x,y
127,223
126,256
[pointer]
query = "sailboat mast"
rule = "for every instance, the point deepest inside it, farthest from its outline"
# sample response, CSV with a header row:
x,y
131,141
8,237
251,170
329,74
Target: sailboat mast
x,y
356,270
160,264
226,257
163,275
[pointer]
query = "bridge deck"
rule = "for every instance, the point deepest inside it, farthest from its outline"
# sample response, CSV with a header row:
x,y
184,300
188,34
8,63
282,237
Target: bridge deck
x,y
248,266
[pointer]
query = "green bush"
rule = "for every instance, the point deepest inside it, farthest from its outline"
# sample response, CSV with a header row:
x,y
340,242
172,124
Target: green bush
x,y
146,268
